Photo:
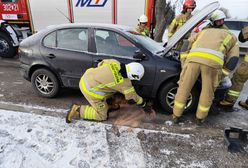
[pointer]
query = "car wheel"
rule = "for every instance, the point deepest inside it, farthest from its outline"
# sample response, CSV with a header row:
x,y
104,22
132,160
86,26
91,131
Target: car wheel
x,y
7,50
167,96
45,83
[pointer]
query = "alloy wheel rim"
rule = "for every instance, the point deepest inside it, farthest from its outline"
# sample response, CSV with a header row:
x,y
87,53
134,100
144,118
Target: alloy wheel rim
x,y
4,46
170,97
44,84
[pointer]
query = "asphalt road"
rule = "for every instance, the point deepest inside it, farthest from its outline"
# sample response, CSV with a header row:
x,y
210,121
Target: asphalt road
x,y
205,144
14,88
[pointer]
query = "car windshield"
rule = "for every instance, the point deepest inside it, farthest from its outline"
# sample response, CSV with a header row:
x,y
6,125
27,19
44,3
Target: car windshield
x,y
146,42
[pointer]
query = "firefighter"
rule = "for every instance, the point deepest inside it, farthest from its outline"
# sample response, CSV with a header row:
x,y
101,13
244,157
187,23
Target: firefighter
x,y
188,7
239,78
100,83
210,50
142,26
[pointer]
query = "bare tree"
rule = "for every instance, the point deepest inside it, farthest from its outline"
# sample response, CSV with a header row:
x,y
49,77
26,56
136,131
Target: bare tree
x,y
164,13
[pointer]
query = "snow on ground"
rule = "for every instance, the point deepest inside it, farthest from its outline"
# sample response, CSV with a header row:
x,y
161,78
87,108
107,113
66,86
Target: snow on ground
x,y
38,141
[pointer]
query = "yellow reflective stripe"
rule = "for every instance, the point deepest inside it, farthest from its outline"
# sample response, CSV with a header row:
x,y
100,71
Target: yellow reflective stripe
x,y
91,93
128,68
130,90
246,57
110,84
183,55
225,72
170,34
225,42
207,55
94,115
89,113
140,101
203,109
233,93
86,111
174,21
179,105
143,33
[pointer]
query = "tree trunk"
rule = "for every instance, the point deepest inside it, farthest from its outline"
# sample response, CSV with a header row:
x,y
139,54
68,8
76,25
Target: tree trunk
x,y
164,14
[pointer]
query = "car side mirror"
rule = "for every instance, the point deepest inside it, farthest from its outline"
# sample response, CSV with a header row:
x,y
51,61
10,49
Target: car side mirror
x,y
139,55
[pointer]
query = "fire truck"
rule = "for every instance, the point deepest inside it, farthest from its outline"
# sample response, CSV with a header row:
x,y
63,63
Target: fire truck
x,y
22,18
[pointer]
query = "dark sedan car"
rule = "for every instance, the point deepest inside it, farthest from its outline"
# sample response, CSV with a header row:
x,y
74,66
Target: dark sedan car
x,y
59,55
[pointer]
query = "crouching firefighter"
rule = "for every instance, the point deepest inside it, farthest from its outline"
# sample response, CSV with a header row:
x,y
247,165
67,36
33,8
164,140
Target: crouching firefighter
x,y
100,83
239,78
212,50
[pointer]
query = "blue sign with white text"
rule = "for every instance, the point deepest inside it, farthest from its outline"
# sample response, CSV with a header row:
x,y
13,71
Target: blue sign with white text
x,y
91,3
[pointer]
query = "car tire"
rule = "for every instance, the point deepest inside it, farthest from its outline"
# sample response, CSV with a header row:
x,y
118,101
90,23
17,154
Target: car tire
x,y
45,83
167,95
7,50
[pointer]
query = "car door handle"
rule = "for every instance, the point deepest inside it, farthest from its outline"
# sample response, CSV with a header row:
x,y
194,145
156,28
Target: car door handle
x,y
51,56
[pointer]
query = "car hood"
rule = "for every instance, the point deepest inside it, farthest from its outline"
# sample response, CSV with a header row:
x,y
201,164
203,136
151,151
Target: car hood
x,y
190,24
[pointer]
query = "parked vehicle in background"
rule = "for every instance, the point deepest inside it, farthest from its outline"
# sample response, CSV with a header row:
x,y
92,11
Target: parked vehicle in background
x,y
49,62
21,18
235,26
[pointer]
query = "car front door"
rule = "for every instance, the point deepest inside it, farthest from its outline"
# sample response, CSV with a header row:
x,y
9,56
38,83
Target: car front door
x,y
113,45
66,51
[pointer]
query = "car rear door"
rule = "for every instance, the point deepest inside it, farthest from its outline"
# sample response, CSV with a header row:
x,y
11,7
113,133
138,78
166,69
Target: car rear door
x,y
111,44
66,51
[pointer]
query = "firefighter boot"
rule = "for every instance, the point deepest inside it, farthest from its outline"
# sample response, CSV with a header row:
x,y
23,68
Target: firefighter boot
x,y
244,104
199,122
226,105
73,113
176,120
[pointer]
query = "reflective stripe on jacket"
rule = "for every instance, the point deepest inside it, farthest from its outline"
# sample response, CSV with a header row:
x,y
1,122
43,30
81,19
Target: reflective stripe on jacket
x,y
212,47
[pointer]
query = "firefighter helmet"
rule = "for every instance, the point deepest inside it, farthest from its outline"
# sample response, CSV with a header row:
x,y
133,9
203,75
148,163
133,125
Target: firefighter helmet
x,y
135,71
217,15
189,4
143,19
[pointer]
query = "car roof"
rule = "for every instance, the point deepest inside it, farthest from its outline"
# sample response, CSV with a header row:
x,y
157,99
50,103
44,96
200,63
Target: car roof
x,y
236,20
91,25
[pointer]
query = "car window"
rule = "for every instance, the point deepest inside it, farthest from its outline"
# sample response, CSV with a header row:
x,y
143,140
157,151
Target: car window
x,y
50,40
9,0
236,25
111,43
73,39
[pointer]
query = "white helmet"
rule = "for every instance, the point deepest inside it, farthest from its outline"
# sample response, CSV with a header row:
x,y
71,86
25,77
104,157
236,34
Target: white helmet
x,y
217,15
135,71
143,19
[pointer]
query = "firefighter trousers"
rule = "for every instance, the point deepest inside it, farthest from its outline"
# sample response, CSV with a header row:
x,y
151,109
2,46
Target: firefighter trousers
x,y
210,80
238,80
97,110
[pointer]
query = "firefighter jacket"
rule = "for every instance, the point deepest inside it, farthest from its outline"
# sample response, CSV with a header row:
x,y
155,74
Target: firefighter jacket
x,y
213,47
245,33
177,23
143,31
105,80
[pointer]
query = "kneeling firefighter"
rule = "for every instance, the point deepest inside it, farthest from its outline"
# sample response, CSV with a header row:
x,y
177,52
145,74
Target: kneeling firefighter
x,y
100,83
212,50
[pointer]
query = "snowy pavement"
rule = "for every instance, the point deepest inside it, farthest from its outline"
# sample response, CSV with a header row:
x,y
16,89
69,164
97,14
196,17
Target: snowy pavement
x,y
39,141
